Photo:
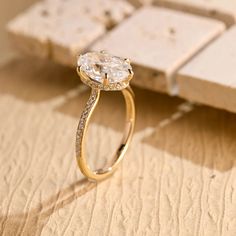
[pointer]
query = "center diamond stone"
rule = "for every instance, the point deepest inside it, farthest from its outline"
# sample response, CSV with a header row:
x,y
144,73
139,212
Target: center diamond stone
x,y
101,65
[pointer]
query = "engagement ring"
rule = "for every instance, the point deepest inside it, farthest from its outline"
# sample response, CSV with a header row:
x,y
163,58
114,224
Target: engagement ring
x,y
104,72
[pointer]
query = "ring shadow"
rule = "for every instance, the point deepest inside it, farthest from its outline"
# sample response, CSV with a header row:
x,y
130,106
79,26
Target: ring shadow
x,y
151,108
33,221
205,136
36,80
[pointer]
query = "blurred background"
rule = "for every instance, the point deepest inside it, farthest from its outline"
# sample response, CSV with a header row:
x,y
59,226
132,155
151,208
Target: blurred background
x,y
8,11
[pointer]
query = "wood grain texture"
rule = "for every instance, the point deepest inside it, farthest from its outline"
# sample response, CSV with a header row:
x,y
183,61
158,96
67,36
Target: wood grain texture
x,y
217,9
60,29
178,177
210,78
161,45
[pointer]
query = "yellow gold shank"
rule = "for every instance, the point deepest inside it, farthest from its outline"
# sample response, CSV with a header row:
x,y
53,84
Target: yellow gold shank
x,y
82,132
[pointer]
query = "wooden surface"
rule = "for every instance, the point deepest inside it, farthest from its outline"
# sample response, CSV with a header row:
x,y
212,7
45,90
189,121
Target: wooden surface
x,y
211,76
178,177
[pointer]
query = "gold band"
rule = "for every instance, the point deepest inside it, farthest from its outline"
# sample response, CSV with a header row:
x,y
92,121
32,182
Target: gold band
x,y
82,131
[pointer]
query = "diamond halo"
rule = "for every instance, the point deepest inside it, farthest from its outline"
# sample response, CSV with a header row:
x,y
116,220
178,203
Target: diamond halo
x,y
104,71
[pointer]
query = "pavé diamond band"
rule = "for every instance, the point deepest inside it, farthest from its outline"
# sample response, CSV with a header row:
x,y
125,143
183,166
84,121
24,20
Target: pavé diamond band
x,y
102,71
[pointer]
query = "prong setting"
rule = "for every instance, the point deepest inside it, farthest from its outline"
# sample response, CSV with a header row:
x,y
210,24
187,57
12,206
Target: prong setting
x,y
103,71
105,81
127,60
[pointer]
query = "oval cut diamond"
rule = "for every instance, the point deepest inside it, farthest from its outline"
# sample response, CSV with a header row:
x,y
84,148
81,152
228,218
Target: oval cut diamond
x,y
100,66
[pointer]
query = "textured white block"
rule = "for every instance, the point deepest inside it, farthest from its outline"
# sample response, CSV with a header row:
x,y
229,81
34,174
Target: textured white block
x,y
218,9
161,41
210,78
60,29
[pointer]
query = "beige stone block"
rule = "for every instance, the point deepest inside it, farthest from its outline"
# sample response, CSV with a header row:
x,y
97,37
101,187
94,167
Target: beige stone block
x,y
157,190
60,29
161,41
218,9
210,78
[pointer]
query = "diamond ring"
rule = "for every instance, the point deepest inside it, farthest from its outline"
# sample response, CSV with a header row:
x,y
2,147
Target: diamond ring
x,y
104,72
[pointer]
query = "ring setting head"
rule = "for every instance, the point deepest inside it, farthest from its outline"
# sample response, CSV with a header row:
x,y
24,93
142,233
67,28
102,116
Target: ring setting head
x,y
104,71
